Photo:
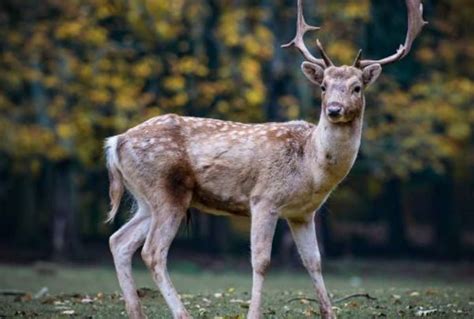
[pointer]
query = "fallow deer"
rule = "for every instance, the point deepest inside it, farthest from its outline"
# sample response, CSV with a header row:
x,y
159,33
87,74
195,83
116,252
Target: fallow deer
x,y
265,171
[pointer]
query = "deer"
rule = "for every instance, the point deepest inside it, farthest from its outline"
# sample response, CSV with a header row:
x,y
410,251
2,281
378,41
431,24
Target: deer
x,y
266,171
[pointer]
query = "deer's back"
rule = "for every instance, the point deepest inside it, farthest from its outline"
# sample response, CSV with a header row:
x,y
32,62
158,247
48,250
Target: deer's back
x,y
223,163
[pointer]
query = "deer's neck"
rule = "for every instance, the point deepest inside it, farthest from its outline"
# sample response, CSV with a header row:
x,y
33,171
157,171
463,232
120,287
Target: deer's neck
x,y
334,148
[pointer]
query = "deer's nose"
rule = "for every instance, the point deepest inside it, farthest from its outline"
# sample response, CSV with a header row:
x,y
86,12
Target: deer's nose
x,y
334,109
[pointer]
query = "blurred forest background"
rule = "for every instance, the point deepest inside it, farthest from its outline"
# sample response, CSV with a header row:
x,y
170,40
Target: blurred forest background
x,y
74,72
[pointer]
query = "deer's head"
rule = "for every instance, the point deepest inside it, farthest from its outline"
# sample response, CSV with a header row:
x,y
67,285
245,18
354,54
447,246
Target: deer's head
x,y
342,87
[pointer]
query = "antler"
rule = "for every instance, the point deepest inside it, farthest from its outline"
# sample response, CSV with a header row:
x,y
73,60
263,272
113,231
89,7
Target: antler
x,y
415,24
301,28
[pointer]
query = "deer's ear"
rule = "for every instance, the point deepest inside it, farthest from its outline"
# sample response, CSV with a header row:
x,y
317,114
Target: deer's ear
x,y
313,72
371,73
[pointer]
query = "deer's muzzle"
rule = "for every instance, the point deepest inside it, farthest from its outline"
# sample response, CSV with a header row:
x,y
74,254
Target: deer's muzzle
x,y
334,110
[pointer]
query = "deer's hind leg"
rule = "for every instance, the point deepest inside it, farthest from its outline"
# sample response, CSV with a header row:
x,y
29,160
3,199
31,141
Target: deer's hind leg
x,y
165,221
123,244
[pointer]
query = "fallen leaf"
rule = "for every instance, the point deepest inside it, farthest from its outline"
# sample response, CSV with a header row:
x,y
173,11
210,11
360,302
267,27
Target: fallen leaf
x,y
61,308
304,301
24,297
336,309
236,301
432,291
424,313
42,292
353,304
87,300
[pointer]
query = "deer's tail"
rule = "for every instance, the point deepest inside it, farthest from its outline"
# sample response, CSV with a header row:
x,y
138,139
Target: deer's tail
x,y
116,186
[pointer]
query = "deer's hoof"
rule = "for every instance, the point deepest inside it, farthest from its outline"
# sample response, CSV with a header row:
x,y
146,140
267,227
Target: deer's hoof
x,y
327,314
183,315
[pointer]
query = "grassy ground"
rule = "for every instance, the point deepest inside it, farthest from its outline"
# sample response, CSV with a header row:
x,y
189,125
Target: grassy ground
x,y
401,289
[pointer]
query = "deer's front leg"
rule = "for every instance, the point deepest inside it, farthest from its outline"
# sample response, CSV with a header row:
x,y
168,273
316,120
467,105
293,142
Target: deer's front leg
x,y
304,235
264,219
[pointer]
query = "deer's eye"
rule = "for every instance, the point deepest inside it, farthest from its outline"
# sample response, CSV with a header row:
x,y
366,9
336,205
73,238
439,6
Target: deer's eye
x,y
357,89
323,88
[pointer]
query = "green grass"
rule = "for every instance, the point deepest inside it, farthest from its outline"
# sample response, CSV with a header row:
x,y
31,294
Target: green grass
x,y
402,289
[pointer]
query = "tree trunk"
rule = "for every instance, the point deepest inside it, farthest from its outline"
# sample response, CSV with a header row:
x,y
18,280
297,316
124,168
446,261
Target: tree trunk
x,y
446,220
65,236
323,231
396,223
27,210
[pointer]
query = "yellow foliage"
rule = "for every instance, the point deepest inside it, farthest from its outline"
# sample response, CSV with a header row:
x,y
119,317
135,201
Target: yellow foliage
x,y
126,99
357,9
174,83
229,26
180,99
250,69
341,50
99,96
255,96
426,55
191,65
291,106
459,130
71,29
165,30
95,36
103,66
65,130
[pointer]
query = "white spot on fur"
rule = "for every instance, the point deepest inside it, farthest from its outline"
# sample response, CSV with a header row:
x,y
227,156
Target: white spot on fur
x,y
280,133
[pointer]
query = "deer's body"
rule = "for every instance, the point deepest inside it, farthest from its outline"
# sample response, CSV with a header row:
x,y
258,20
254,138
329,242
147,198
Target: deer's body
x,y
227,165
264,171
